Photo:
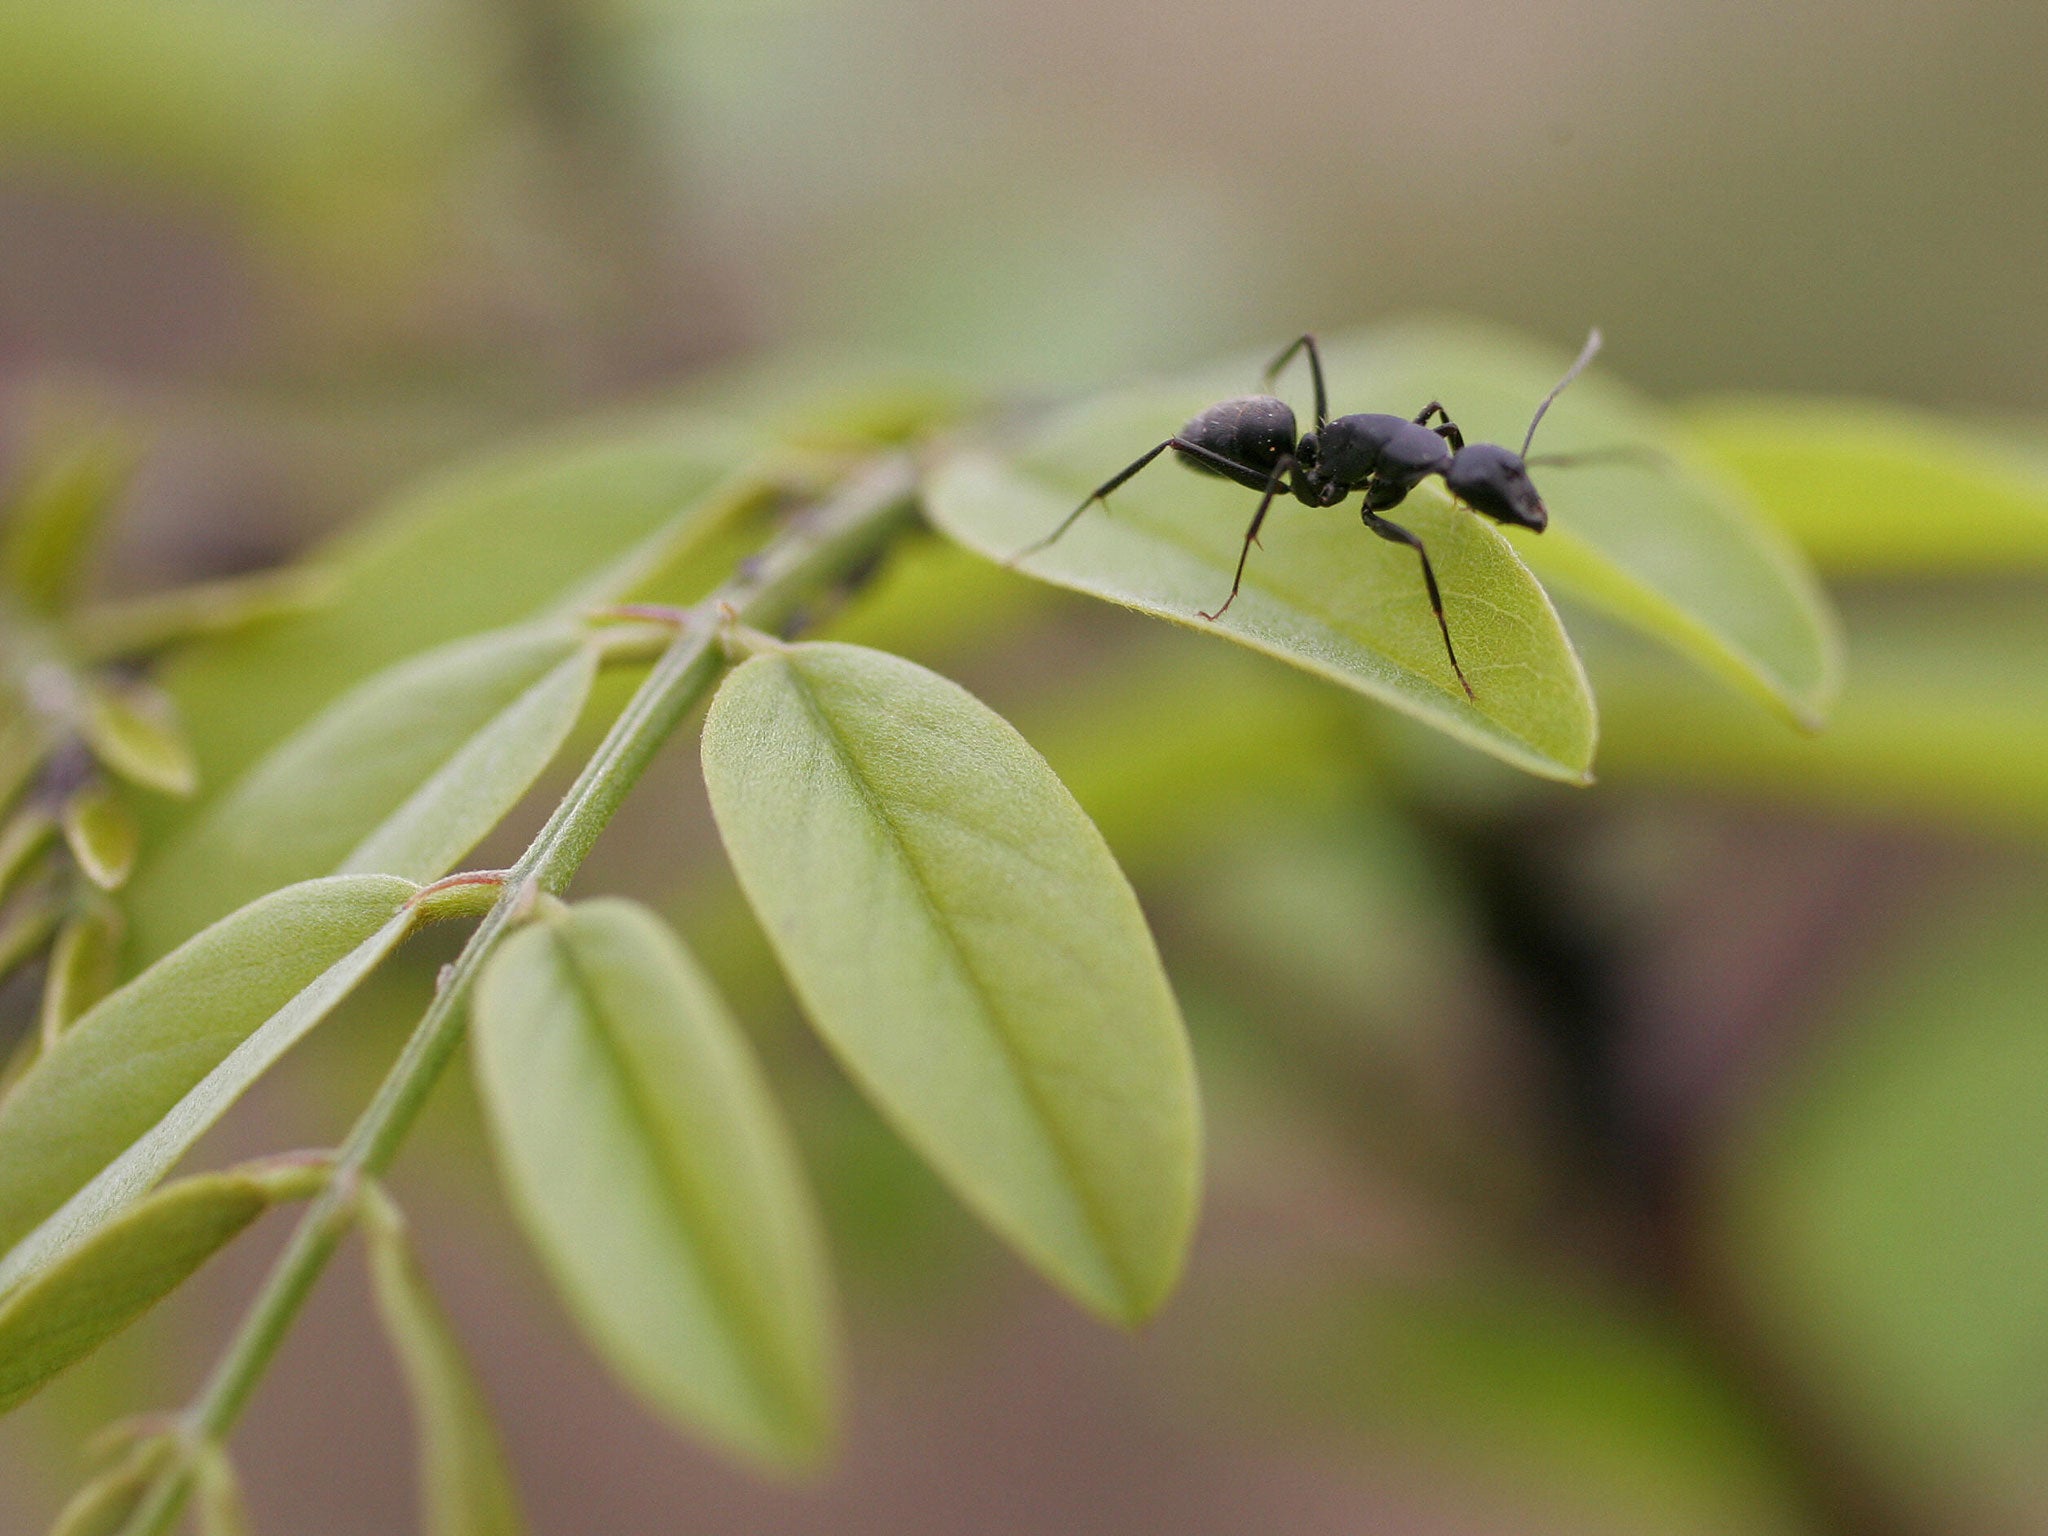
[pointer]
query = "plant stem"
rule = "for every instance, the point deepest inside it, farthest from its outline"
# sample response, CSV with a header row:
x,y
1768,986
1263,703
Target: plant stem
x,y
817,551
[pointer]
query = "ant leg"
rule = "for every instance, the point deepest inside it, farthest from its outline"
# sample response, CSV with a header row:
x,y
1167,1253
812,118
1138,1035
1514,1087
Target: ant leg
x,y
1251,534
1315,368
1228,467
1399,535
1448,431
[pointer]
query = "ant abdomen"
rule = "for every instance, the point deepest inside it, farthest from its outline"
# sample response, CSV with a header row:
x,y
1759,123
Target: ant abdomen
x,y
1252,431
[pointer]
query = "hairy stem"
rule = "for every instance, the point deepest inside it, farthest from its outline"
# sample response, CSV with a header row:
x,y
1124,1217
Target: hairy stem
x,y
815,553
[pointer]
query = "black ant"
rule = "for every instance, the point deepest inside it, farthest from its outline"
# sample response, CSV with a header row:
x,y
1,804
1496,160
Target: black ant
x,y
1251,440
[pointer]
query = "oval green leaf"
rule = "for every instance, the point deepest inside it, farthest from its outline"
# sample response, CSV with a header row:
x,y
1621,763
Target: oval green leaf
x,y
100,1287
130,1061
1945,718
1661,538
1322,592
497,542
151,1155
651,1170
134,730
54,519
465,1486
82,966
401,776
1874,490
963,939
101,833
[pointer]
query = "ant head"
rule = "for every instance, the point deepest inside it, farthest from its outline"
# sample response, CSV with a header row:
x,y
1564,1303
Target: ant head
x,y
1495,481
1308,450
1490,479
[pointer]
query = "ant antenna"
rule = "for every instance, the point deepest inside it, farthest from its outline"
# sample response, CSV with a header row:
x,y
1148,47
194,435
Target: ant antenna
x,y
1585,356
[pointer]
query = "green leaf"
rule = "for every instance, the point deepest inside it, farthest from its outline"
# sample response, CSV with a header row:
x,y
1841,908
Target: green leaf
x,y
29,918
24,835
1875,490
138,1055
964,941
82,966
1882,1213
402,776
465,1487
1945,717
101,833
217,1502
1171,541
138,626
1662,538
651,1170
101,1286
104,1506
482,546
51,522
151,1155
133,729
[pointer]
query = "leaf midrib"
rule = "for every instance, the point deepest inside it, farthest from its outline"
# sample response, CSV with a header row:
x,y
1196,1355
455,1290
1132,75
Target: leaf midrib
x,y
734,1296
1085,1196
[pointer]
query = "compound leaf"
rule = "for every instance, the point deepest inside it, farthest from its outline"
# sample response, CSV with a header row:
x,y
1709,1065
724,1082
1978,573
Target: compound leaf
x,y
962,938
652,1172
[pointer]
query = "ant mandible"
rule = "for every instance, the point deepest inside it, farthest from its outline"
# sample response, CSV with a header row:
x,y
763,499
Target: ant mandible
x,y
1251,440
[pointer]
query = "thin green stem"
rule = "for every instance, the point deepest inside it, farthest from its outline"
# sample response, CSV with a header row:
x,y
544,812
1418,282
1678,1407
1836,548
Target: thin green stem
x,y
818,551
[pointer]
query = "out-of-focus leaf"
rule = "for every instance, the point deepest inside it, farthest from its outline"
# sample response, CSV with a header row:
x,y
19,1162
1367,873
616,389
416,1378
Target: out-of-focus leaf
x,y
68,1310
133,729
131,1060
652,1172
1945,716
24,742
465,1486
1869,489
217,1502
29,918
962,938
480,547
314,124
26,833
100,830
1168,749
151,1155
103,1506
1322,593
52,520
137,626
401,776
82,966
1884,1216
1545,1395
